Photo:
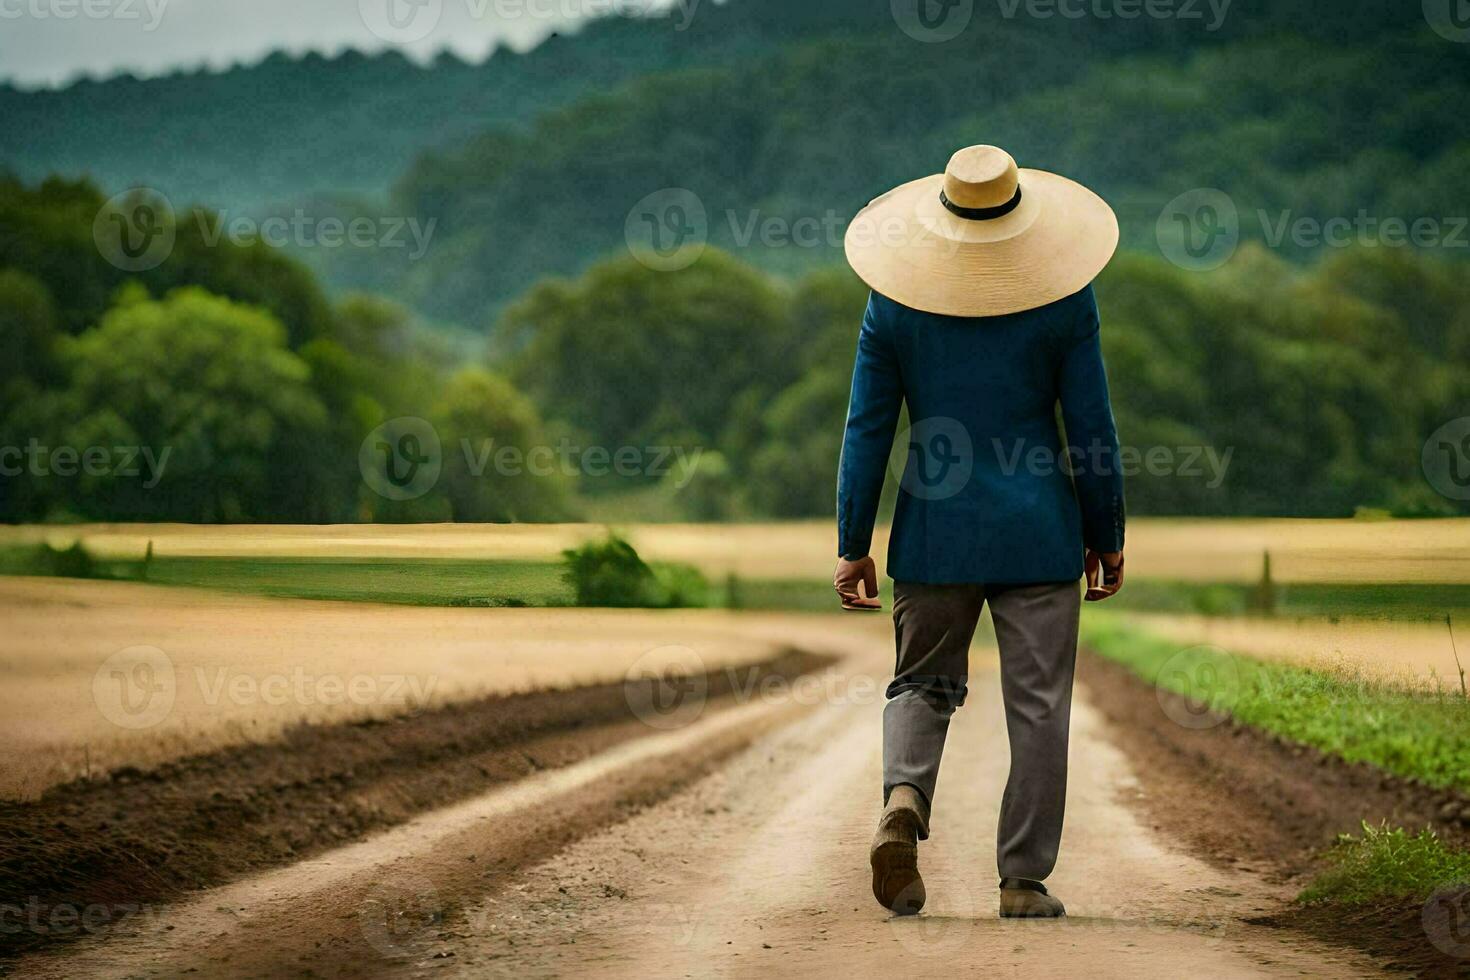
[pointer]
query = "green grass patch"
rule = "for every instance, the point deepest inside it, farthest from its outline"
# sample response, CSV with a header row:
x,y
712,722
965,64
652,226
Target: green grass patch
x,y
1386,865
406,581
42,559
779,595
1379,601
1406,731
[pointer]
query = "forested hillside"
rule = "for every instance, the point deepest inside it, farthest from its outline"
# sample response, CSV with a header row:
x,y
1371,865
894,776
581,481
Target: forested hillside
x,y
816,130
280,132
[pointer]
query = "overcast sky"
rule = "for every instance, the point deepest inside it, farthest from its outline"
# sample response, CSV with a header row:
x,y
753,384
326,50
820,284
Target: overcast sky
x,y
46,42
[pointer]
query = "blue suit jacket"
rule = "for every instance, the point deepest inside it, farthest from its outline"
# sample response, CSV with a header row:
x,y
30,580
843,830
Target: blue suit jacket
x,y
989,491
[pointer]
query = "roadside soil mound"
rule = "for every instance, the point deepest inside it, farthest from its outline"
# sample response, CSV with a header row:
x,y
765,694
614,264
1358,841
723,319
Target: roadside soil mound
x,y
1246,799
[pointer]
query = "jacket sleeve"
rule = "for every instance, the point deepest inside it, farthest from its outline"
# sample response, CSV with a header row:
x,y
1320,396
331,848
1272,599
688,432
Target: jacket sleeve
x,y
872,417
1092,436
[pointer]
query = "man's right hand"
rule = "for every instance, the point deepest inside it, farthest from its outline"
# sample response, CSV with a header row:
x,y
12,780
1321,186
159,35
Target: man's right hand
x,y
1110,566
856,583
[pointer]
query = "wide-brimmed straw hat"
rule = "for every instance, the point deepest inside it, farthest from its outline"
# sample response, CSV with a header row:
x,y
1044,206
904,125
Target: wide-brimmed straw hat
x,y
983,238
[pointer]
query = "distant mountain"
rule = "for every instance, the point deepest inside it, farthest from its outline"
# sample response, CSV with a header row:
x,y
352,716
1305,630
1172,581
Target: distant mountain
x,y
287,128
270,134
1291,117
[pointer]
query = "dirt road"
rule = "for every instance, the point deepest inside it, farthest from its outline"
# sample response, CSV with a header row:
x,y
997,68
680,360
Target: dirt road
x,y
756,869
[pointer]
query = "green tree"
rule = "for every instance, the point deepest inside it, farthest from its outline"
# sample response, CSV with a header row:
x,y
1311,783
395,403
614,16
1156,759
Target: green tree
x,y
635,357
794,473
211,384
708,491
29,328
499,466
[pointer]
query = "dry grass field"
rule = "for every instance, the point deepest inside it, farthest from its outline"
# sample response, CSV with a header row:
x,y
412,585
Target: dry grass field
x,y
85,690
1207,550
1417,654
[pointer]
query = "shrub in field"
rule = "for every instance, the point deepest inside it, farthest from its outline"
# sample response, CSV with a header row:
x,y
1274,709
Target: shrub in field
x,y
610,573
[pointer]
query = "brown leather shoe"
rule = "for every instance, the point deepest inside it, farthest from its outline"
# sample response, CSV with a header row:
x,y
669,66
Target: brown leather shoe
x,y
897,885
1022,898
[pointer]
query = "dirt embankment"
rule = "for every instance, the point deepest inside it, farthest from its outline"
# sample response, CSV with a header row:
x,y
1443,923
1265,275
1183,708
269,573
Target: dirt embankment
x,y
139,837
1246,799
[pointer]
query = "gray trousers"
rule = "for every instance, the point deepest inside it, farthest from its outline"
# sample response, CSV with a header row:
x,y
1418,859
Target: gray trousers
x,y
1036,628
